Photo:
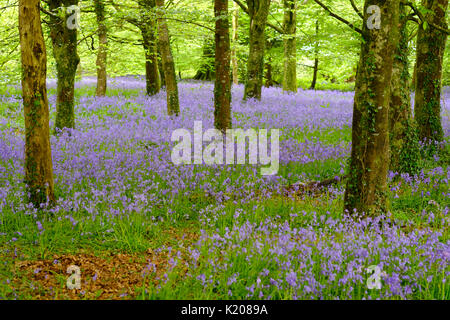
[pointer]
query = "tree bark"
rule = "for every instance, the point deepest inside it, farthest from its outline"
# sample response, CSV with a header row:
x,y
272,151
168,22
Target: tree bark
x,y
429,58
162,78
234,59
102,48
149,41
258,11
316,59
268,74
367,183
222,86
173,105
152,77
403,136
290,48
64,41
207,70
38,156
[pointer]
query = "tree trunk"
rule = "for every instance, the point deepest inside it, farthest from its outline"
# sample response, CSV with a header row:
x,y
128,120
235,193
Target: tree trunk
x,y
162,78
429,58
102,48
258,12
316,58
234,59
268,75
152,77
207,69
403,139
173,105
367,183
315,71
222,86
290,48
64,41
38,156
413,81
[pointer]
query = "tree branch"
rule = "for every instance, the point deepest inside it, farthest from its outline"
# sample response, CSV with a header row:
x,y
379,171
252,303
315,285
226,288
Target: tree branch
x,y
338,17
245,9
422,18
356,9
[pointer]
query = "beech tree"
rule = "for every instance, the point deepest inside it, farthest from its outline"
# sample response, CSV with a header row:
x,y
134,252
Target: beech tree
x,y
402,127
258,11
149,36
222,87
367,181
38,157
290,48
102,48
234,59
63,33
173,105
431,40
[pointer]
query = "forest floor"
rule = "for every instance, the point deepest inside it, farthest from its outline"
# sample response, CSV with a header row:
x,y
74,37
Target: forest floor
x,y
140,227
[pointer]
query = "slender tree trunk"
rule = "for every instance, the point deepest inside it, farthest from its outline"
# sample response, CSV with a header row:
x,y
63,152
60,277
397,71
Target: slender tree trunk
x,y
234,59
429,58
268,75
207,70
413,81
64,42
290,48
173,105
316,58
258,12
315,71
102,48
222,86
403,136
152,77
162,78
367,182
99,7
38,156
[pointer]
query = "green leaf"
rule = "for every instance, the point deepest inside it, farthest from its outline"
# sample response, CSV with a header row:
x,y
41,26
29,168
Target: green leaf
x,y
425,25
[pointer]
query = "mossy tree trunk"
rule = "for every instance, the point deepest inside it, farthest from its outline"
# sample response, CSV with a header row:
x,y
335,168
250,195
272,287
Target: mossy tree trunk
x,y
429,58
258,12
38,156
234,59
403,131
290,48
102,48
367,182
64,41
173,105
222,86
149,40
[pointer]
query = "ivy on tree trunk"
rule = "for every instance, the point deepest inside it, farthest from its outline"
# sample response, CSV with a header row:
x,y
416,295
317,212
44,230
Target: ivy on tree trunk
x,y
64,41
367,181
429,58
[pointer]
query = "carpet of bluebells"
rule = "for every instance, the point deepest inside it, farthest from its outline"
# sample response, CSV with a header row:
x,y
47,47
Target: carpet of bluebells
x,y
117,189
